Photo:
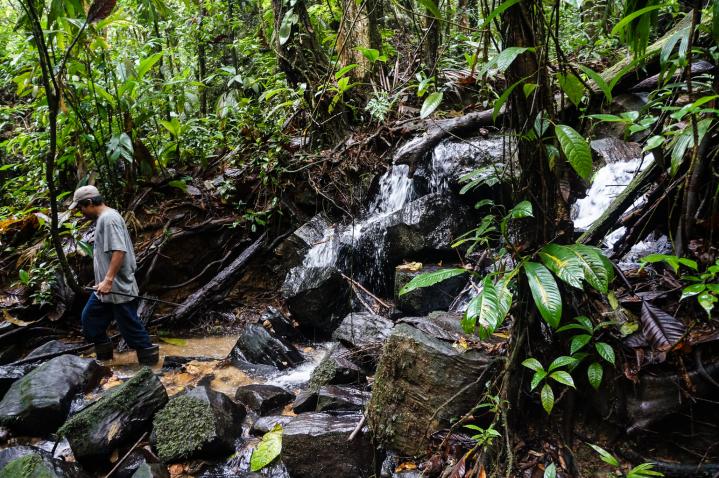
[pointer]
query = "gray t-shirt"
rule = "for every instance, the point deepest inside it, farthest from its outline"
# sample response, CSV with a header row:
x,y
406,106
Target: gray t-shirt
x,y
111,235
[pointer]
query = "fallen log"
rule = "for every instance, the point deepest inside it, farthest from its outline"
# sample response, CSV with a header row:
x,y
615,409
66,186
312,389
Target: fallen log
x,y
216,289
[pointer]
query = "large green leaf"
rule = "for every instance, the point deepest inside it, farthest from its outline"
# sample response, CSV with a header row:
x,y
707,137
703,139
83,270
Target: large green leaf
x,y
576,149
430,104
288,20
547,396
565,265
502,61
595,270
267,450
485,310
571,86
594,374
147,63
545,292
599,81
624,22
430,278
498,11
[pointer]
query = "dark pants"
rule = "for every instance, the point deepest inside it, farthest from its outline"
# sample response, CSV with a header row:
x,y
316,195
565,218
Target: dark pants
x,y
97,316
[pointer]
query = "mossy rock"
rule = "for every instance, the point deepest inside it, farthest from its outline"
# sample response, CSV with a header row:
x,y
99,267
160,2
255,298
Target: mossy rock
x,y
117,419
199,424
31,462
336,368
29,466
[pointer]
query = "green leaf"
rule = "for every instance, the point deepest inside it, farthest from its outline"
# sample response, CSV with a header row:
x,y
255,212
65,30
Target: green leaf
x,y
427,279
371,54
503,99
671,43
707,300
571,86
545,293
533,364
561,361
653,143
578,342
147,63
521,210
431,8
619,27
288,20
502,61
692,290
485,307
547,398
576,149
342,72
563,377
594,374
596,272
85,248
172,341
605,351
605,455
599,81
267,450
564,263
537,379
550,471
430,104
24,276
643,470
498,11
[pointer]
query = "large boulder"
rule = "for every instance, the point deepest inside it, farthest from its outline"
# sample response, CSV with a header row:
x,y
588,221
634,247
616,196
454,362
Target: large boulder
x,y
422,381
293,249
424,300
263,399
38,403
317,296
363,330
337,368
31,462
333,398
201,423
10,374
256,345
51,347
314,445
117,419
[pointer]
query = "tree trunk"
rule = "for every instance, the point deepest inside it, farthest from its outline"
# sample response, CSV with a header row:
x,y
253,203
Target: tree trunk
x,y
359,29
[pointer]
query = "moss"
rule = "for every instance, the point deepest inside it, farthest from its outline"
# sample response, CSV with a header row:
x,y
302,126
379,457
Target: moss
x,y
29,466
321,375
120,398
183,427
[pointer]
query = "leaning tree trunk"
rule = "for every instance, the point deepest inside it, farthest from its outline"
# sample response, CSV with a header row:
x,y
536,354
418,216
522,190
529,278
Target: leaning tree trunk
x,y
301,58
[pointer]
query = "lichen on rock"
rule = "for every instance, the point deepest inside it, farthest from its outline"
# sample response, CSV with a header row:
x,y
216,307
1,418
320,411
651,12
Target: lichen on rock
x,y
28,466
183,427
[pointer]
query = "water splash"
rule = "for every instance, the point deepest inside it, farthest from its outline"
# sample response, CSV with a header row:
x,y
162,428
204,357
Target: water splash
x,y
395,190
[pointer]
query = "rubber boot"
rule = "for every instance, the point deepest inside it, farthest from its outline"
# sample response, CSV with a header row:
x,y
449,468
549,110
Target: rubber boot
x,y
103,351
148,356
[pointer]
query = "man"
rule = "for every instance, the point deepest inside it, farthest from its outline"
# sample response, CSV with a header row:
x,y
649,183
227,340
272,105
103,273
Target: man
x,y
114,266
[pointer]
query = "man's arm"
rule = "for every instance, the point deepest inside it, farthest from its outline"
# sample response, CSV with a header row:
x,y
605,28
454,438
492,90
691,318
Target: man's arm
x,y
105,286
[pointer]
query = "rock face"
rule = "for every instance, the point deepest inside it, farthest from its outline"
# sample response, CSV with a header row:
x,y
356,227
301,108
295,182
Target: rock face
x,y
280,324
31,462
119,418
293,249
201,423
417,375
424,300
39,402
337,368
264,424
317,297
10,374
362,330
341,398
256,345
136,459
53,346
263,399
314,445
155,470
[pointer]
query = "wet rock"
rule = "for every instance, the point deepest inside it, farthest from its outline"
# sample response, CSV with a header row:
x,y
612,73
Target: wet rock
x,y
155,470
51,347
280,324
293,249
306,401
10,374
651,83
424,300
263,399
264,424
337,368
31,462
177,362
612,150
314,445
238,466
201,423
256,345
363,330
38,403
341,398
117,419
9,353
418,373
317,297
136,458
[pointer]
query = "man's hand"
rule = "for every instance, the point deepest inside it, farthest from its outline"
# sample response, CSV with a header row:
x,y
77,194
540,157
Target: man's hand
x,y
104,287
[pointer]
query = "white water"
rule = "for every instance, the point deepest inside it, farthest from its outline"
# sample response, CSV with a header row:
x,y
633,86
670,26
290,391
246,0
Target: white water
x,y
292,378
608,182
395,190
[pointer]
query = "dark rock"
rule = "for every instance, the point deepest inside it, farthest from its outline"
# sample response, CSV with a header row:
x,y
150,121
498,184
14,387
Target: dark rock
x,y
612,150
263,399
280,324
38,403
256,345
10,374
363,330
317,297
314,445
340,398
177,362
118,418
422,382
155,470
31,462
136,458
306,401
238,466
264,424
651,83
9,353
424,300
51,347
201,423
294,248
336,368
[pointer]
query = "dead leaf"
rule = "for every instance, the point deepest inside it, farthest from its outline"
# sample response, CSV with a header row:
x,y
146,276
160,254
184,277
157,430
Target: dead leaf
x,y
13,320
661,329
410,266
406,466
99,10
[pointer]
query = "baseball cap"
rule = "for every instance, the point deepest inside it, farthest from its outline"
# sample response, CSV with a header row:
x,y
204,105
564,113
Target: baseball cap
x,y
85,192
